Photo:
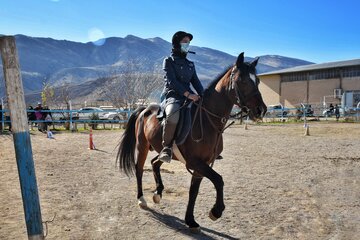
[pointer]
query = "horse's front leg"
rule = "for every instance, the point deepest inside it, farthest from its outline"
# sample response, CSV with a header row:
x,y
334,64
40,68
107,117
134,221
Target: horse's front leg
x,y
155,163
194,190
205,170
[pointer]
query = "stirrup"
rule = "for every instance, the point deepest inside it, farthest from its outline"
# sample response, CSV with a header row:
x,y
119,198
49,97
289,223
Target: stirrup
x,y
165,155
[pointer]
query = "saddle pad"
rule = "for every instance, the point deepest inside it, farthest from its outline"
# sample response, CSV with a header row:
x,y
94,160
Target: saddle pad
x,y
184,125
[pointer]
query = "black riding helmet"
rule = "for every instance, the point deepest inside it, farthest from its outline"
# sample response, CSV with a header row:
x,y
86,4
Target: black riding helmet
x,y
178,36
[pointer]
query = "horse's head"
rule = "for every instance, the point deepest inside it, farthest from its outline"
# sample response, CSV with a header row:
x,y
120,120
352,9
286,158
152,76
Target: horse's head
x,y
244,84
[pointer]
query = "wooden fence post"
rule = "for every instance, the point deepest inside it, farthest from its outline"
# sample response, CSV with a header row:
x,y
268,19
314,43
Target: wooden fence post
x,y
21,135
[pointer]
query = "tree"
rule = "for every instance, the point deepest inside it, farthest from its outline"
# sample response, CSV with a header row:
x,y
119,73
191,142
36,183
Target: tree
x,y
47,94
127,87
61,98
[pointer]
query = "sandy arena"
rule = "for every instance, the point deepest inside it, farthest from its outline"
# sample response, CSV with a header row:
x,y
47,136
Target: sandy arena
x,y
279,184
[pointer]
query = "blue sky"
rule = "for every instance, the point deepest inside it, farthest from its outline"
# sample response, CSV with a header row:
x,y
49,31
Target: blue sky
x,y
318,31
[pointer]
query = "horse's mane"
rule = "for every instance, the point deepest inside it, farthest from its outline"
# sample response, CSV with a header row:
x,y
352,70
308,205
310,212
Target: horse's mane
x,y
213,83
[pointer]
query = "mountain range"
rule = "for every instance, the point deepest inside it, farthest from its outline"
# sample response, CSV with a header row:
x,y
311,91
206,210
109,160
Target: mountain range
x,y
58,61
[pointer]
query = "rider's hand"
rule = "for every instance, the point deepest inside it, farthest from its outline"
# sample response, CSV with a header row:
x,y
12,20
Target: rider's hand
x,y
194,97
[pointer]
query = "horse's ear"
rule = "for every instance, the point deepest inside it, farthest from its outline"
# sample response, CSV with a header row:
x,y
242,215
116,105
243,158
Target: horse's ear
x,y
240,60
255,62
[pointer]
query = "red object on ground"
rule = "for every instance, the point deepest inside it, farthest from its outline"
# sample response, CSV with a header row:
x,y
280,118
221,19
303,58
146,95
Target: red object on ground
x,y
91,143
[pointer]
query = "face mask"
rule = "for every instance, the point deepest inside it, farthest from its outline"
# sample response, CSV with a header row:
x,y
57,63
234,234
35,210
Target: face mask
x,y
185,47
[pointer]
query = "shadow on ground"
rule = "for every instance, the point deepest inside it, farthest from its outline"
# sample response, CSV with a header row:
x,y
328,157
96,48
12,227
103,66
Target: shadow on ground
x,y
179,225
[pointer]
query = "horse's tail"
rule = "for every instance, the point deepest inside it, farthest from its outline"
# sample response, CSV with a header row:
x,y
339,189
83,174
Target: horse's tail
x,y
126,151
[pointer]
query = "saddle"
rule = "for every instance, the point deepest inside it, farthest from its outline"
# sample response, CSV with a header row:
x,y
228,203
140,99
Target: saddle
x,y
183,126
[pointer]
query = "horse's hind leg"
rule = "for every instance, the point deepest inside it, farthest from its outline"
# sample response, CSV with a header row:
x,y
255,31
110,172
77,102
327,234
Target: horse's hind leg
x,y
141,155
159,185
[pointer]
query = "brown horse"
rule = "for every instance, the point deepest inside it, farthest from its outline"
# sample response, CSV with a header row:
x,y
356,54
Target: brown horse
x,y
238,85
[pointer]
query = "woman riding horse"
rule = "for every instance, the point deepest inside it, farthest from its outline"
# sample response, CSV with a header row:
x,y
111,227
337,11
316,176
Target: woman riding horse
x,y
238,85
179,73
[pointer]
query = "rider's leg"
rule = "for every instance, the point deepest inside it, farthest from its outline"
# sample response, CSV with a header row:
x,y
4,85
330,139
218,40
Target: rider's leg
x,y
172,118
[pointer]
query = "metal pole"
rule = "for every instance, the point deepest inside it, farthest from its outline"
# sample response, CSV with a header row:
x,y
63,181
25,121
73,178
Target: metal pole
x,y
2,116
303,106
282,112
71,123
21,135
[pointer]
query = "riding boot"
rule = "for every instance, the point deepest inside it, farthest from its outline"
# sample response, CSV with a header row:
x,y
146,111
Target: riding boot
x,y
168,135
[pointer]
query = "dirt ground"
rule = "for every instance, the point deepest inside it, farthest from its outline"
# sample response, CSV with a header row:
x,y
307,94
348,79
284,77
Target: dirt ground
x,y
279,184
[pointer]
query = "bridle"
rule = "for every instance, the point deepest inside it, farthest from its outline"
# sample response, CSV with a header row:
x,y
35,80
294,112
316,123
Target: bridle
x,y
240,98
240,101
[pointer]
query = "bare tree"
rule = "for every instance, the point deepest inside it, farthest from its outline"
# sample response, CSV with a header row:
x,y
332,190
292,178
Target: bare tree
x,y
129,87
113,90
62,97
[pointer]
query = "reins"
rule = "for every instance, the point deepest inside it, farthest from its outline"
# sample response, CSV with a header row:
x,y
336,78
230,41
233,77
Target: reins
x,y
198,113
200,108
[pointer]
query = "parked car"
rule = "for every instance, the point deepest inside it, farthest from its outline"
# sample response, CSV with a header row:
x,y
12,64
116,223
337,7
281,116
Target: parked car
x,y
350,110
86,113
276,110
112,114
331,112
61,115
309,111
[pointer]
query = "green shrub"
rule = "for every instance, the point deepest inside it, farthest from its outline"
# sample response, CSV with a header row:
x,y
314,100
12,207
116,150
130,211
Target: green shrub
x,y
94,117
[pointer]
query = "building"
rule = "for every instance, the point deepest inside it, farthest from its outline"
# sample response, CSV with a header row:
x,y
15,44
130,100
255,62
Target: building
x,y
318,84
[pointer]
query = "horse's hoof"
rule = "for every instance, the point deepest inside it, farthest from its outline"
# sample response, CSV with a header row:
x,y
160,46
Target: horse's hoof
x,y
142,203
195,230
212,217
156,198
